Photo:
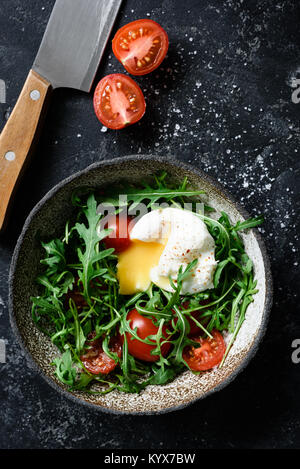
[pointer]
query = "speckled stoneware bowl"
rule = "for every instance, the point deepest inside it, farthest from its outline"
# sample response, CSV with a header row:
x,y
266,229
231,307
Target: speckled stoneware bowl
x,y
48,219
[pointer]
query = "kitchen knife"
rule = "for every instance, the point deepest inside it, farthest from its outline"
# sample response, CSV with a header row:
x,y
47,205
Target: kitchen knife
x,y
69,55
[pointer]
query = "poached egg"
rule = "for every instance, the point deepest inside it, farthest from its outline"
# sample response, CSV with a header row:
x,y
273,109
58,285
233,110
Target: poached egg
x,y
161,242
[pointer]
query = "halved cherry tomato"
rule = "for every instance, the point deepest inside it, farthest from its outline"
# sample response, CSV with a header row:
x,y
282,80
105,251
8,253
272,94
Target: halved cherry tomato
x,y
208,355
118,101
119,238
145,327
95,359
140,46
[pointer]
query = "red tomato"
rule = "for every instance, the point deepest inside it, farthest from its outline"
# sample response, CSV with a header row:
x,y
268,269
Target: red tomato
x,y
140,46
145,327
208,355
95,359
119,238
118,101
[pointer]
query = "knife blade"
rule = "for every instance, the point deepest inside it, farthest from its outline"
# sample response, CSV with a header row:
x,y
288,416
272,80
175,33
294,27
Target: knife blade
x,y
69,55
74,42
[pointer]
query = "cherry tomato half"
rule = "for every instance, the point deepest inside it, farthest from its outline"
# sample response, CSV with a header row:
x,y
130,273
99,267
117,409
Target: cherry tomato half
x,y
145,327
141,46
95,359
208,355
119,238
118,101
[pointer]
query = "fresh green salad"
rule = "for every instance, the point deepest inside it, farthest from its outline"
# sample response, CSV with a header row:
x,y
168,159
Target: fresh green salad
x,y
122,317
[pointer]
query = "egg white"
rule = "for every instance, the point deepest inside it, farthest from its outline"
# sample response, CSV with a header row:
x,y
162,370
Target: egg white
x,y
186,238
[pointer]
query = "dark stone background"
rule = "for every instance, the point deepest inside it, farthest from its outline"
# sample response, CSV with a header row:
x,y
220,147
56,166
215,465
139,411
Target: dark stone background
x,y
221,101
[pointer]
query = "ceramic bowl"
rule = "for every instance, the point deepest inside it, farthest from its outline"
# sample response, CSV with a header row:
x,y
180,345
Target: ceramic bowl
x,y
48,219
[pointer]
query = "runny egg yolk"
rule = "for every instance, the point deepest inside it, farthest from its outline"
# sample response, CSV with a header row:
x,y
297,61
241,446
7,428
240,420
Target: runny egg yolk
x,y
135,264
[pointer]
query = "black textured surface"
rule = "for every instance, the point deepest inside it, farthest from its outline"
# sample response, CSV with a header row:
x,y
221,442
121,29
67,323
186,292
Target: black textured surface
x,y
221,101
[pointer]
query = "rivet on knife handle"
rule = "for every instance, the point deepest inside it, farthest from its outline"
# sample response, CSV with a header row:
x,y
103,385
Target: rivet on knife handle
x,y
18,137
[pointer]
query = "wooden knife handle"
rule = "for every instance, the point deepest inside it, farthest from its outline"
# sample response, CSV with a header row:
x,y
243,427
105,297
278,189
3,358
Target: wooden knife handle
x,y
18,137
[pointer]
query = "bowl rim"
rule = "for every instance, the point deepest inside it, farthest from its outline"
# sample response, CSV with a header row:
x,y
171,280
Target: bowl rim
x,y
171,160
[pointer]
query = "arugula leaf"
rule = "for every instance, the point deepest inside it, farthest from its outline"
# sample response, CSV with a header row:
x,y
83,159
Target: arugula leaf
x,y
219,270
163,376
134,196
247,264
78,332
44,305
83,382
55,255
250,223
91,238
64,369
